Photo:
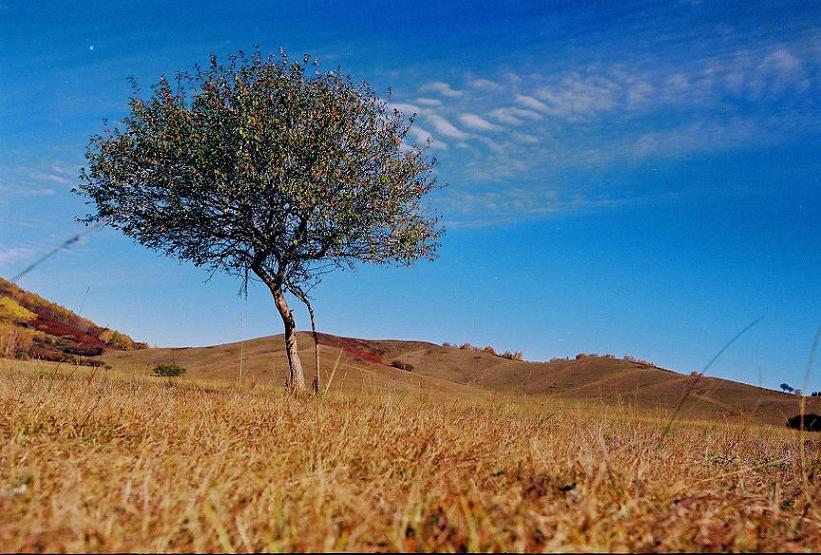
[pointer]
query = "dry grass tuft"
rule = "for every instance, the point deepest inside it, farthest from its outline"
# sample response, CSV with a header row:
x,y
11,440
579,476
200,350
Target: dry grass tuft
x,y
94,463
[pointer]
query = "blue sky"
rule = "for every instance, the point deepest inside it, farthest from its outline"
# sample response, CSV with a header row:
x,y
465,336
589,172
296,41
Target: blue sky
x,y
635,179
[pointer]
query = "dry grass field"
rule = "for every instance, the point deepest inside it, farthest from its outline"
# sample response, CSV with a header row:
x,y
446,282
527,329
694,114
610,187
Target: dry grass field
x,y
107,461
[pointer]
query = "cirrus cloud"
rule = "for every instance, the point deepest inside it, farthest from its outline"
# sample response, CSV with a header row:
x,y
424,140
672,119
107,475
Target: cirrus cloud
x,y
477,122
442,88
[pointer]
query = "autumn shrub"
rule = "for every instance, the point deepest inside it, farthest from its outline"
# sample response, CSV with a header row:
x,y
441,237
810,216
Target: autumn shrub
x,y
15,339
11,310
168,370
116,339
402,365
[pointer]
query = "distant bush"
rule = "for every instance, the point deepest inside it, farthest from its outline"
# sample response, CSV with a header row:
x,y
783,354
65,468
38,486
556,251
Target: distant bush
x,y
696,374
810,422
402,365
640,362
513,356
487,349
83,350
168,370
815,394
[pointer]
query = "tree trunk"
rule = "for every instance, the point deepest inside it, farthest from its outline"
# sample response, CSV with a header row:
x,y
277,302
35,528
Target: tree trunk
x,y
299,294
296,378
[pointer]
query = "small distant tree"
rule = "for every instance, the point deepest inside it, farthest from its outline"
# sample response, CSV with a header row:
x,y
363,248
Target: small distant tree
x,y
786,388
268,167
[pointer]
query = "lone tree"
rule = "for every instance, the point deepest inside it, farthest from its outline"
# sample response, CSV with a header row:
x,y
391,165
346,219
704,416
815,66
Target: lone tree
x,y
269,167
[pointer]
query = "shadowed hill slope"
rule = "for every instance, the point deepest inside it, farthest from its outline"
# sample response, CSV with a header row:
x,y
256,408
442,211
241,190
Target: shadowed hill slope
x,y
366,365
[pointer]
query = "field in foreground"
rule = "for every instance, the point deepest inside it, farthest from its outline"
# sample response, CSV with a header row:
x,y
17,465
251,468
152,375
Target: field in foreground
x,y
90,462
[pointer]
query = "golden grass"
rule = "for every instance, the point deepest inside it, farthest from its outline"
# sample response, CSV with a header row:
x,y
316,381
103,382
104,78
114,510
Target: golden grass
x,y
91,462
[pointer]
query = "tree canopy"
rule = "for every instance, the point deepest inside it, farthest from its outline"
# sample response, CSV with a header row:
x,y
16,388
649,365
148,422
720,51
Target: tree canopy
x,y
267,166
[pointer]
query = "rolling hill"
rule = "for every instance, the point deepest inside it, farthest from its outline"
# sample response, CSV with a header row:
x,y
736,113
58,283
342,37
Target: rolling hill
x,y
452,371
33,327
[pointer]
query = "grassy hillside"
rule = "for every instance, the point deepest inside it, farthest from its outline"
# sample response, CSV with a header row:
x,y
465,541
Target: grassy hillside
x,y
90,461
437,370
33,327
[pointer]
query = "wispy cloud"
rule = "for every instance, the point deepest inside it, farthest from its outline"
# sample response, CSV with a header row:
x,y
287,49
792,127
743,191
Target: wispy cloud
x,y
477,122
511,115
63,170
442,88
11,255
443,126
509,129
52,177
424,101
699,136
605,113
484,84
531,103
577,95
513,204
27,191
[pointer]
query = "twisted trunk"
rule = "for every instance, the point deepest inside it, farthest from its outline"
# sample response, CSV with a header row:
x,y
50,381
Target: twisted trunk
x,y
296,377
